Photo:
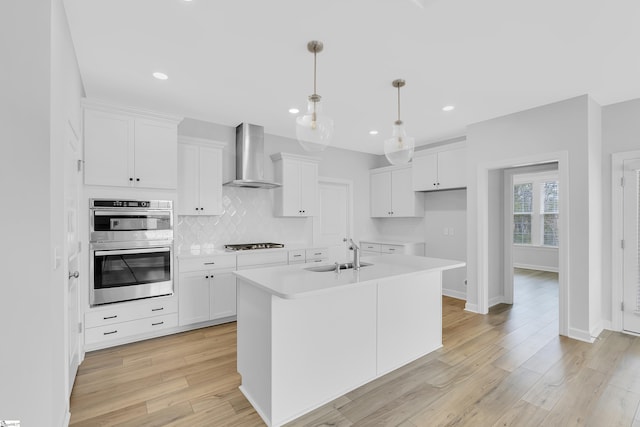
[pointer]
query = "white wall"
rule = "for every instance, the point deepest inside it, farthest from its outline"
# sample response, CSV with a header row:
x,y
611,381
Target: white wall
x,y
40,91
556,130
620,132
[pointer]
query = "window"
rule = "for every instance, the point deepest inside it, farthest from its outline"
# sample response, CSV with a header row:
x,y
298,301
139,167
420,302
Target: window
x,y
535,209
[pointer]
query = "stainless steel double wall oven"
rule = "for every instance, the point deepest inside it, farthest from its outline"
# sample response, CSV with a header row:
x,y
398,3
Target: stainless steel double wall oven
x,y
131,249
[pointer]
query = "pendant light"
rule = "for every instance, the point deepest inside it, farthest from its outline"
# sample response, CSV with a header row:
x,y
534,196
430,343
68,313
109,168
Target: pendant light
x,y
314,129
399,148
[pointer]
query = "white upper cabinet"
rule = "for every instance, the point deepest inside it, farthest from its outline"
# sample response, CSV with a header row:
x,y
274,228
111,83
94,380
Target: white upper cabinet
x,y
299,178
199,177
443,168
392,195
124,147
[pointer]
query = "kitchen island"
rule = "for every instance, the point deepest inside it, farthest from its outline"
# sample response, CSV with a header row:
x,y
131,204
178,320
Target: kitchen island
x,y
307,337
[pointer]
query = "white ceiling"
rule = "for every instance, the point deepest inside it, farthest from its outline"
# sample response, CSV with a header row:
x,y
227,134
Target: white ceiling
x,y
232,61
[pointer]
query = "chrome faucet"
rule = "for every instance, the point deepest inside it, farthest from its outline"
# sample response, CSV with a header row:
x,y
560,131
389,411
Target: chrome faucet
x,y
356,255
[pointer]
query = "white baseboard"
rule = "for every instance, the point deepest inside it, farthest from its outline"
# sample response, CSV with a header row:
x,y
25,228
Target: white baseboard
x,y
454,294
581,335
496,300
597,329
473,308
536,267
67,419
608,325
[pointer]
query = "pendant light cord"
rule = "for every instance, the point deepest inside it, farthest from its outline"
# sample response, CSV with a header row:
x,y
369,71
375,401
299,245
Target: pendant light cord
x,y
398,102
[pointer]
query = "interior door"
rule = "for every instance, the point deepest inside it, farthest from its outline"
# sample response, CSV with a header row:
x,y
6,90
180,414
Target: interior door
x,y
631,257
72,250
332,225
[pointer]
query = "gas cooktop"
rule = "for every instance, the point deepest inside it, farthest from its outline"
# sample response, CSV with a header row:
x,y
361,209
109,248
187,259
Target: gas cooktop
x,y
250,246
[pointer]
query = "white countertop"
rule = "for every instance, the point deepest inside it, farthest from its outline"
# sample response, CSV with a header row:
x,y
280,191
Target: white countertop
x,y
392,242
294,281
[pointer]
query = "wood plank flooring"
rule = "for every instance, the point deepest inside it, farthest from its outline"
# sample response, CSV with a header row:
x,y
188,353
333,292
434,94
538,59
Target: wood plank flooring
x,y
508,368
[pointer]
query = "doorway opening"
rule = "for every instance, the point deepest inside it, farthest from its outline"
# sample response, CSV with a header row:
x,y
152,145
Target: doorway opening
x,y
532,235
495,273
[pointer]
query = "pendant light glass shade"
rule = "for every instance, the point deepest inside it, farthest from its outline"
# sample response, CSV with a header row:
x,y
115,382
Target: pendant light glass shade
x,y
399,148
314,130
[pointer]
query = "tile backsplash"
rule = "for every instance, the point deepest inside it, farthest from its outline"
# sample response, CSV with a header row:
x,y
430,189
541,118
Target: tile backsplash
x,y
247,217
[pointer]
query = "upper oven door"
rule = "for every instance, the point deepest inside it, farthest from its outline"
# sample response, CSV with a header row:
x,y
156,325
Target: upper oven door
x,y
131,225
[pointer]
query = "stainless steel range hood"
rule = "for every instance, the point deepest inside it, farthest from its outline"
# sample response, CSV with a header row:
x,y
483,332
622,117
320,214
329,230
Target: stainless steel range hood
x,y
250,158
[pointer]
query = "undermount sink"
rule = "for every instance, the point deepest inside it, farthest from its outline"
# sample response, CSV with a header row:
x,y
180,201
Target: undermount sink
x,y
343,266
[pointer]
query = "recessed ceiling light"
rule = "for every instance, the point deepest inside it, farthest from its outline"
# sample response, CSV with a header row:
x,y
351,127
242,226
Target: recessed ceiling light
x,y
160,76
294,110
448,108
373,132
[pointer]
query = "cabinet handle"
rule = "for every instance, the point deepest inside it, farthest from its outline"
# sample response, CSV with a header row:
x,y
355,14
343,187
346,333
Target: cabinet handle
x,y
297,256
206,277
209,263
318,253
201,209
156,324
110,317
130,179
157,309
391,249
112,332
197,209
138,179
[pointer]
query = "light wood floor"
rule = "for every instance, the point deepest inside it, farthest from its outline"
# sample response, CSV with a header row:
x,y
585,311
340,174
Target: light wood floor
x,y
508,368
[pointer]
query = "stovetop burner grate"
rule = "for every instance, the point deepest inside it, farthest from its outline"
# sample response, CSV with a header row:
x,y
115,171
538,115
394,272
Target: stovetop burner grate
x,y
250,246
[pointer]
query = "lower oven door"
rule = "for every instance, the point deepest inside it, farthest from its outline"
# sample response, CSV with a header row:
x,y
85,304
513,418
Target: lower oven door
x,y
128,274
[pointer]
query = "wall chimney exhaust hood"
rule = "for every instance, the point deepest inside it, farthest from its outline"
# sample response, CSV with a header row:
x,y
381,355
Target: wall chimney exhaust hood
x,y
250,158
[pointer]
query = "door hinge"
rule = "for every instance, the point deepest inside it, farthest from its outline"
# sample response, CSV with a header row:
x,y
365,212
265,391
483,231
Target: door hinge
x,y
79,163
622,306
622,181
622,244
79,327
79,247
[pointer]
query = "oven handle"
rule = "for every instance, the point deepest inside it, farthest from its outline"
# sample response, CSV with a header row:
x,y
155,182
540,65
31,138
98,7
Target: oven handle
x,y
132,251
133,213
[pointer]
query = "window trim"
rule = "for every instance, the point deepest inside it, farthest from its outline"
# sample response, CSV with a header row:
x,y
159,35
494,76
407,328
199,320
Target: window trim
x,y
537,214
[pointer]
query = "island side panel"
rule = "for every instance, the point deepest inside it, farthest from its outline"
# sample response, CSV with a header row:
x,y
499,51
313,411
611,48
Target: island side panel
x,y
254,346
409,319
323,346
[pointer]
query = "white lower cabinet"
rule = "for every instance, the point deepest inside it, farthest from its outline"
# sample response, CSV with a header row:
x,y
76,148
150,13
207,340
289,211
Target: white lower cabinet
x,y
207,289
114,323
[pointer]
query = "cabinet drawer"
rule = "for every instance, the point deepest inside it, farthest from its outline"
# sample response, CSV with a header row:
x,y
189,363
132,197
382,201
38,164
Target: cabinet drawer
x,y
130,311
392,249
317,253
296,256
131,328
207,263
370,247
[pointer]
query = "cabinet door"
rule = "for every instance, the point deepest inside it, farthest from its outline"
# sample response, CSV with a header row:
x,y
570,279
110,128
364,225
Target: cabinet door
x,y
308,188
291,188
452,169
425,172
403,198
223,295
156,146
194,297
380,188
188,180
108,148
210,166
